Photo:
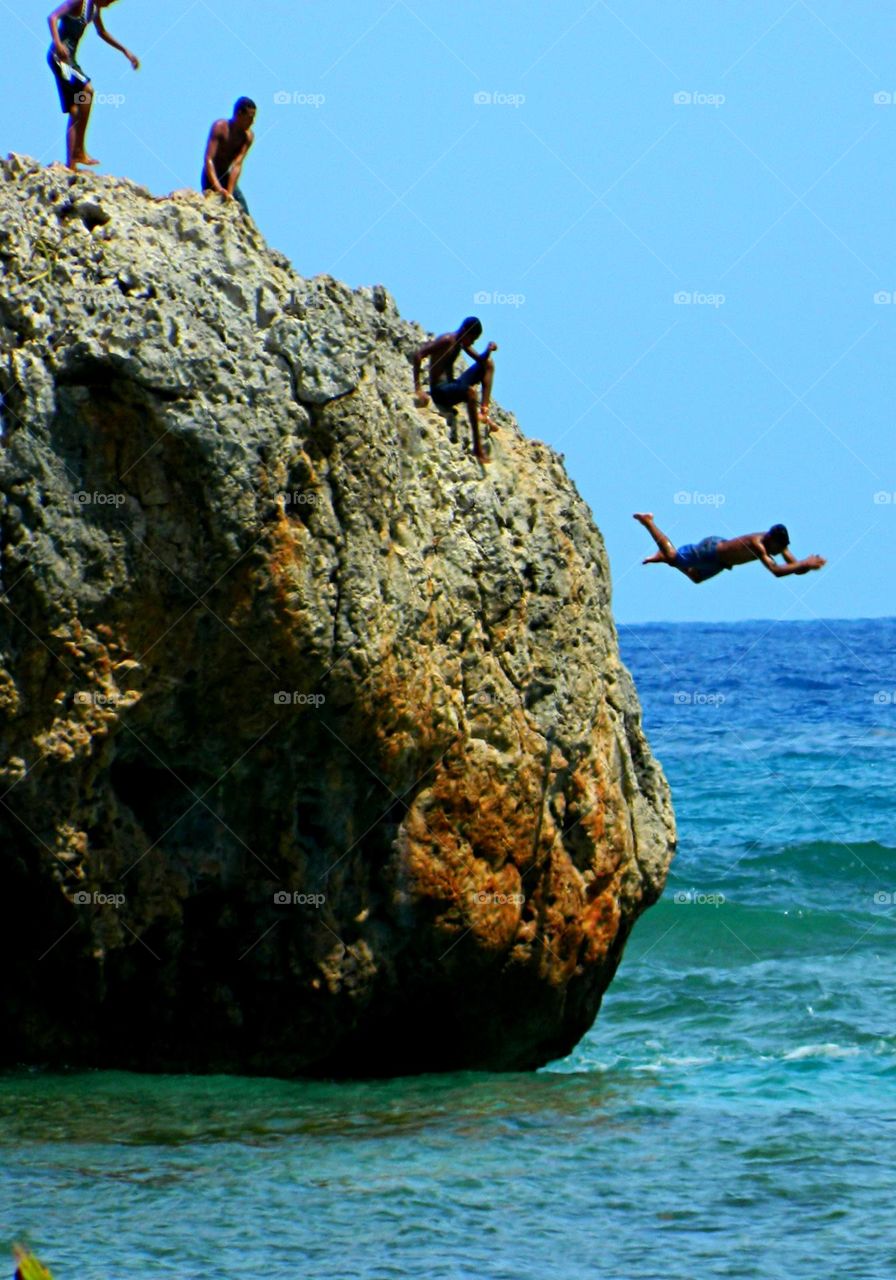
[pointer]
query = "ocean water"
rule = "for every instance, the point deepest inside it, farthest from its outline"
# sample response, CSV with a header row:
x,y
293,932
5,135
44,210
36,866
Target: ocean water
x,y
732,1112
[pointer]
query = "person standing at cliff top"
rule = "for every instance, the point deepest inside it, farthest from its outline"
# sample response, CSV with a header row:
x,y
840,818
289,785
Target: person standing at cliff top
x,y
67,25
447,390
703,560
228,144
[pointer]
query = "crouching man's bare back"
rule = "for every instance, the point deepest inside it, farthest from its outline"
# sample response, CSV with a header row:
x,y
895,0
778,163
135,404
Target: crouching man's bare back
x,y
703,560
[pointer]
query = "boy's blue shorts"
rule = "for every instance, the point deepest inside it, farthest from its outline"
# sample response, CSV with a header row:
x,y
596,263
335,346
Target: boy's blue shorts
x,y
702,557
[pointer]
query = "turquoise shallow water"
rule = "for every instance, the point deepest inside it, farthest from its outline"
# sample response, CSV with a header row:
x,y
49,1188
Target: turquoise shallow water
x,y
731,1113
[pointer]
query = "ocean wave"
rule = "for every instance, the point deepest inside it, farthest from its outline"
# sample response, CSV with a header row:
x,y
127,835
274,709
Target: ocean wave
x,y
822,1051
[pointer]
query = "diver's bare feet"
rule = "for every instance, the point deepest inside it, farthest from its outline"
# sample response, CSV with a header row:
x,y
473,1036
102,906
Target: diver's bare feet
x,y
643,517
486,417
86,160
481,456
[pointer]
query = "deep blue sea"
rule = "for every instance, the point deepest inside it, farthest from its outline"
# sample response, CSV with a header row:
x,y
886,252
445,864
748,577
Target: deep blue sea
x,y
731,1113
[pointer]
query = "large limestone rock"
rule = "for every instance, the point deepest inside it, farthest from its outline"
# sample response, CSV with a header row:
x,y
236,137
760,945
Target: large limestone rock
x,y
318,755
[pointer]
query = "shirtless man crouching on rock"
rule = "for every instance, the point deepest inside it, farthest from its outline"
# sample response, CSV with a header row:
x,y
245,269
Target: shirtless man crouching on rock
x,y
447,390
228,143
703,560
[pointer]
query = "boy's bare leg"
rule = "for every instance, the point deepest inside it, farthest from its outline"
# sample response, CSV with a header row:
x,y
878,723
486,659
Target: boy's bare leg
x,y
487,380
83,109
473,414
71,138
667,552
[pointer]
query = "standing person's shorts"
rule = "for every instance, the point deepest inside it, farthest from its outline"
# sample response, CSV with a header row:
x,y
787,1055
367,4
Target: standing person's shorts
x,y
701,557
448,394
70,80
237,194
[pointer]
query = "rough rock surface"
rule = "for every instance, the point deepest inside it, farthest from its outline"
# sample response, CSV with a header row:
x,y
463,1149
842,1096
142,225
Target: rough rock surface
x,y
318,755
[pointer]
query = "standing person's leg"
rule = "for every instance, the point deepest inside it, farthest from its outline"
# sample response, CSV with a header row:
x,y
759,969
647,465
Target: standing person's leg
x,y
71,136
240,199
83,103
667,552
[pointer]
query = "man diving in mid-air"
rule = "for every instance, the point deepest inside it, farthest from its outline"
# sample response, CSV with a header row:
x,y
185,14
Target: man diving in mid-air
x,y
703,560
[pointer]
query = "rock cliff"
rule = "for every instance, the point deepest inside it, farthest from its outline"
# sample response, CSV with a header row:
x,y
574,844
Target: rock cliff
x,y
318,755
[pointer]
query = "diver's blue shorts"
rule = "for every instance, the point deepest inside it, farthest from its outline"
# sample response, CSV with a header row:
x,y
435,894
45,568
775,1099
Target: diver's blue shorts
x,y
702,557
448,394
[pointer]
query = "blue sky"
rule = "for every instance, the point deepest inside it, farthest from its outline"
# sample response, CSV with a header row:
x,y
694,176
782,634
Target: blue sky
x,y
682,212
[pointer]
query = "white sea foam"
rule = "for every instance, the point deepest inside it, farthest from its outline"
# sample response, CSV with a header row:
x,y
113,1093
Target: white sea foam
x,y
822,1051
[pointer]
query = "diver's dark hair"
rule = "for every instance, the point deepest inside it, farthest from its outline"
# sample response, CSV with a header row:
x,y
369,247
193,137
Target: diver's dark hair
x,y
243,104
778,533
471,322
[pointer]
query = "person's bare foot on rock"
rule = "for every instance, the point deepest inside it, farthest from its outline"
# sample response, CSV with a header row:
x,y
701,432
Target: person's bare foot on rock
x,y
86,160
